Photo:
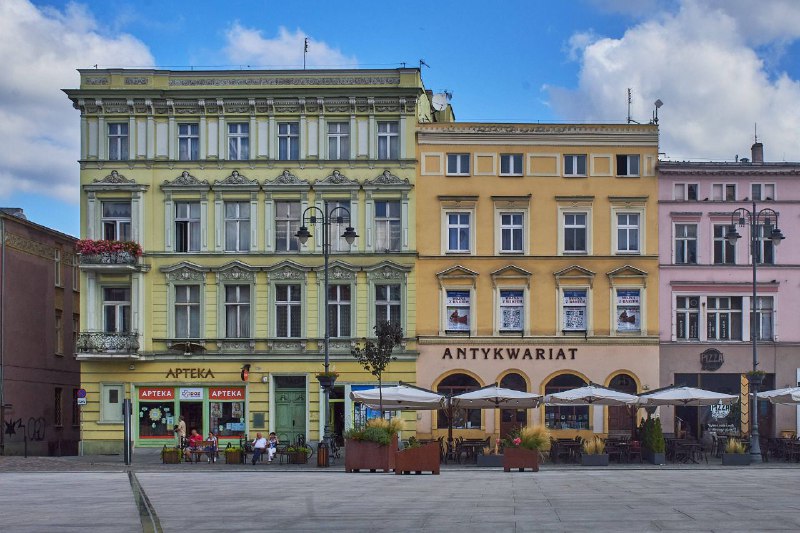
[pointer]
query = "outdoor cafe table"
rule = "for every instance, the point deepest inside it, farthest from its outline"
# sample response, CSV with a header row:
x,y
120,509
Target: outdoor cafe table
x,y
471,447
572,446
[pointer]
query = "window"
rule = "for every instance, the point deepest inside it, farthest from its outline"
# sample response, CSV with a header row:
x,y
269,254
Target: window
x,y
575,165
724,318
230,416
116,310
512,310
58,407
685,244
57,266
724,252
627,165
287,222
574,310
511,232
116,221
338,140
685,191
339,310
339,225
287,307
388,140
187,311
387,226
687,318
59,333
562,416
237,226
238,141
187,226
188,142
288,141
628,311
157,418
458,311
118,141
765,248
458,164
764,323
575,232
723,192
628,233
387,303
458,232
761,192
511,164
462,418
111,403
237,311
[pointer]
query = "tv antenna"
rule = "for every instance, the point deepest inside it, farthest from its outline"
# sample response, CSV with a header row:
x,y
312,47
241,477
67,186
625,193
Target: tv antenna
x,y
629,108
305,52
422,62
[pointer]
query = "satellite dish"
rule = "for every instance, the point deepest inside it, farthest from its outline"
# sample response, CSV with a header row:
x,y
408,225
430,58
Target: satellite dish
x,y
440,101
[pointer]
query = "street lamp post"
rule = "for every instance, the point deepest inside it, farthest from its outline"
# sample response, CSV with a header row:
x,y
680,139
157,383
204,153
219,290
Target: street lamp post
x,y
312,216
742,217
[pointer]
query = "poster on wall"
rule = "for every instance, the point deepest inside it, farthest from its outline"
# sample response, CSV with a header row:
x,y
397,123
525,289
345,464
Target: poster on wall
x,y
628,310
574,305
236,410
511,305
458,310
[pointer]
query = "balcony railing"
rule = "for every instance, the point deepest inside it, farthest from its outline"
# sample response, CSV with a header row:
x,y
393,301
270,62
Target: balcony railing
x,y
101,342
108,255
109,258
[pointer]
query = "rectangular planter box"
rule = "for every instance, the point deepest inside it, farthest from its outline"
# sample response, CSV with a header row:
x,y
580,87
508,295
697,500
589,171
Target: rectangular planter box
x,y
364,455
298,458
598,459
735,459
423,458
233,458
520,458
653,457
170,457
490,460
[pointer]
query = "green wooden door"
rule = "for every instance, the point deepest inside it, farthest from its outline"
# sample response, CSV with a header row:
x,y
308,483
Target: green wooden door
x,y
290,414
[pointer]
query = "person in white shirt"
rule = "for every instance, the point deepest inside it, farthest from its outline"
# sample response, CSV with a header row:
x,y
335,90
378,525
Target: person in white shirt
x,y
259,447
272,446
211,446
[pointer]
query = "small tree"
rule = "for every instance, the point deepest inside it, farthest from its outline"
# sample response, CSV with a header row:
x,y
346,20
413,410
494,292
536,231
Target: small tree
x,y
376,355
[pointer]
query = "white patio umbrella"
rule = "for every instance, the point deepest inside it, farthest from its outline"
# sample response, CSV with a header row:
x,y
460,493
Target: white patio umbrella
x,y
689,396
399,398
789,395
591,394
493,396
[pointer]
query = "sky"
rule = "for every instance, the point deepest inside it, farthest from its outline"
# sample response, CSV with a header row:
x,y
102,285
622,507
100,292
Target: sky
x,y
722,68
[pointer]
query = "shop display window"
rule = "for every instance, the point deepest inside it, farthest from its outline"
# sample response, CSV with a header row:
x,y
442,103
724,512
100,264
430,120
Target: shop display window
x,y
156,420
227,418
565,416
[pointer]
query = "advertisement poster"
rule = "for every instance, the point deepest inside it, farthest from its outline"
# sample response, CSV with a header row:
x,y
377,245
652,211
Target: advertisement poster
x,y
575,310
458,310
628,310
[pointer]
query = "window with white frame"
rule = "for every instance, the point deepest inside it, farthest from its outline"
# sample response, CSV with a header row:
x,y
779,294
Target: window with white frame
x,y
187,226
575,165
628,233
339,310
237,226
512,310
458,232
388,140
288,311
287,222
188,142
458,164
685,244
627,165
575,232
118,141
288,141
687,318
187,311
511,164
765,248
387,303
724,252
116,221
457,311
724,318
57,266
761,192
237,311
117,309
765,318
339,225
723,192
685,192
338,140
387,226
512,231
238,141
574,310
628,310
111,397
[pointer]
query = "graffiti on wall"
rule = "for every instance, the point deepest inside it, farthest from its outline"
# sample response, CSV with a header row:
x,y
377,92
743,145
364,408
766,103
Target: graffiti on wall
x,y
34,430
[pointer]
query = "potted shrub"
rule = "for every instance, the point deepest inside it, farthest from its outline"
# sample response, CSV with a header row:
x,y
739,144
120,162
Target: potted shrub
x,y
418,458
734,454
523,448
653,445
594,452
108,252
372,447
233,455
756,377
327,379
491,456
298,455
171,455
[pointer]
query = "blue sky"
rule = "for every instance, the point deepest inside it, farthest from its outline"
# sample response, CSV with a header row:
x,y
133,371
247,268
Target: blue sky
x,y
720,66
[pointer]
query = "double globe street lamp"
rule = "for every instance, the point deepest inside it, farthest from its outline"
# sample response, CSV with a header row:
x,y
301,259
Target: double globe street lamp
x,y
755,219
312,216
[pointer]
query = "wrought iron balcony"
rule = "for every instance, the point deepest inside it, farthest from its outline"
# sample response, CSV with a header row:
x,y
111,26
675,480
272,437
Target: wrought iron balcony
x,y
101,343
109,258
108,255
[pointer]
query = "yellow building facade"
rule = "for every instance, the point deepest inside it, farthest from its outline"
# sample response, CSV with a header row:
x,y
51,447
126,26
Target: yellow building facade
x,y
538,268
212,173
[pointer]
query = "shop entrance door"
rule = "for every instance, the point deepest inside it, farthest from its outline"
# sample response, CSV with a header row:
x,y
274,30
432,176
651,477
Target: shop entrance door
x,y
290,414
192,413
622,418
512,419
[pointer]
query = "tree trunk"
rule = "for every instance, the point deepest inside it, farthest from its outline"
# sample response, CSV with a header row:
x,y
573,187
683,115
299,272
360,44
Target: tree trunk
x,y
380,395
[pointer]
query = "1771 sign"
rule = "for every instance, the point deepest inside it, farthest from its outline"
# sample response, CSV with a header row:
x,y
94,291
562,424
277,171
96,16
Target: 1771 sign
x,y
510,353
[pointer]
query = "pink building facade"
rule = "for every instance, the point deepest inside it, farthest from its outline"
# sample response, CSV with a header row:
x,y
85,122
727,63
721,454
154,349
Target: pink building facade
x,y
706,287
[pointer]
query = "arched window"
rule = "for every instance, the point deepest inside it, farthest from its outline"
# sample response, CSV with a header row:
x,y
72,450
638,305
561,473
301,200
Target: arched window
x,y
565,416
462,418
622,418
512,419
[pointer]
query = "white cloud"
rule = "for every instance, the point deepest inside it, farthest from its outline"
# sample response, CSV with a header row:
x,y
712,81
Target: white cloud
x,y
703,66
39,129
246,46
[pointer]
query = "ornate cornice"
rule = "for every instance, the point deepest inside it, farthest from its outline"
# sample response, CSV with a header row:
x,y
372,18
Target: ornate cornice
x,y
236,179
185,180
184,272
336,178
386,178
287,178
236,271
115,181
115,178
269,81
287,271
29,246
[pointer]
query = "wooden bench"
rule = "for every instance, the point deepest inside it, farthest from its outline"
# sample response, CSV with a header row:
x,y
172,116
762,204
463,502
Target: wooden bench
x,y
211,455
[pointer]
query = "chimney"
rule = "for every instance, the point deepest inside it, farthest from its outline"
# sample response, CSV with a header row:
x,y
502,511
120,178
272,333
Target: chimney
x,y
758,152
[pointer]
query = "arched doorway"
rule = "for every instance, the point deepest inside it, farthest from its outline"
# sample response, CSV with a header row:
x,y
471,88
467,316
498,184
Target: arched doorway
x,y
621,418
462,418
565,416
511,419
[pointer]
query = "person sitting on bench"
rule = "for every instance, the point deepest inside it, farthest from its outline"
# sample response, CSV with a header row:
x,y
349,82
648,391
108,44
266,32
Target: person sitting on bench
x,y
259,447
